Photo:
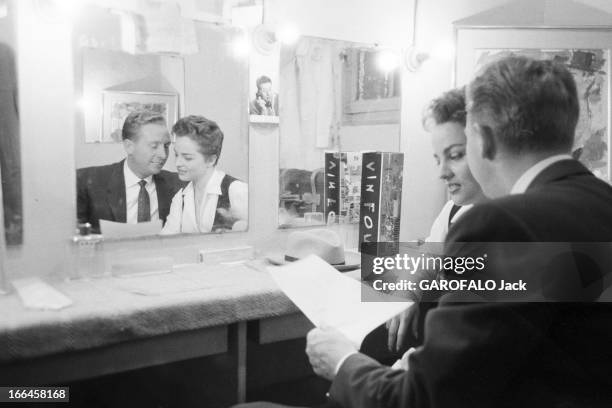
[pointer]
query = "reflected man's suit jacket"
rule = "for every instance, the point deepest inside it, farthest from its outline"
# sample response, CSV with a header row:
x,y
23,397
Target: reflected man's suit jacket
x,y
101,193
508,354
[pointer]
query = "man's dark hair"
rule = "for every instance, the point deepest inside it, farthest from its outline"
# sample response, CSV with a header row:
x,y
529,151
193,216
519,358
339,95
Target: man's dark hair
x,y
204,132
138,119
448,107
526,104
262,80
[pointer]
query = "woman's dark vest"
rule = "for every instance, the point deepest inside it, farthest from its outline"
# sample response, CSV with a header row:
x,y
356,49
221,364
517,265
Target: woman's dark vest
x,y
223,201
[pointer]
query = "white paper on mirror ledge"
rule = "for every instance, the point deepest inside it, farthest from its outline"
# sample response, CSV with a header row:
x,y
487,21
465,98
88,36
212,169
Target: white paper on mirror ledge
x,y
329,298
112,229
36,294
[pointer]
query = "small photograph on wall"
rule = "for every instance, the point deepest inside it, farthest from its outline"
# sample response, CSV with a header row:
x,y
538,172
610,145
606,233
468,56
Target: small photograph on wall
x,y
117,105
263,106
590,68
263,87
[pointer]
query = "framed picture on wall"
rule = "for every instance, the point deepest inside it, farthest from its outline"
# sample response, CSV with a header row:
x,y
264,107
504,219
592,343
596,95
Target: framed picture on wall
x,y
584,51
117,105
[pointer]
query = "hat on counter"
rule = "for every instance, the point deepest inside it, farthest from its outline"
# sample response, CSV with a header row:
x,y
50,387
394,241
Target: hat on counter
x,y
322,242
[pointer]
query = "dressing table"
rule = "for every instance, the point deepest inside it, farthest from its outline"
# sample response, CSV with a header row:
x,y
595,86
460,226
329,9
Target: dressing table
x,y
122,323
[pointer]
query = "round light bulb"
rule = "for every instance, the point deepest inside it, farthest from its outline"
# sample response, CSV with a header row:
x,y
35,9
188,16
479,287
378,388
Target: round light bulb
x,y
387,60
241,46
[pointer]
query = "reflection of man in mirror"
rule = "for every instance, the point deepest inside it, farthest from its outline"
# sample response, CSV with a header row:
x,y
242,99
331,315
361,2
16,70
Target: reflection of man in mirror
x,y
266,101
213,201
135,189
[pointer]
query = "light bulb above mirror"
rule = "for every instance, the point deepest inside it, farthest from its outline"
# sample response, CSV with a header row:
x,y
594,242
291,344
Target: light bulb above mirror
x,y
266,36
387,60
240,45
287,33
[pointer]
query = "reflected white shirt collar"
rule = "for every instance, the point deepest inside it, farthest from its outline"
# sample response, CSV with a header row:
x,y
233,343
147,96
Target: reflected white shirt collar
x,y
521,185
212,187
132,179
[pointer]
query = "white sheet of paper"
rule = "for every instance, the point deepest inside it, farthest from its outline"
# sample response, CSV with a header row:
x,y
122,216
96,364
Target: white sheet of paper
x,y
36,294
112,229
329,298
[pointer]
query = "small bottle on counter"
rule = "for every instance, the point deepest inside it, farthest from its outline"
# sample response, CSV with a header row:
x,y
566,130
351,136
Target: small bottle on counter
x,y
87,253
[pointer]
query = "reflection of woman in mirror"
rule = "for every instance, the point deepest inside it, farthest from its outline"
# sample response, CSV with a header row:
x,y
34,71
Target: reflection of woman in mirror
x,y
212,201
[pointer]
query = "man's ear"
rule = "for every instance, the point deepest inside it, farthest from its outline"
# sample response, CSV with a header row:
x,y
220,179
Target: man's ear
x,y
128,145
488,143
212,159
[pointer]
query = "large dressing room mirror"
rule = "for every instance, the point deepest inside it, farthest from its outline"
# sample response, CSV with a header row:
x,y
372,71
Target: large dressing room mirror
x,y
336,96
162,129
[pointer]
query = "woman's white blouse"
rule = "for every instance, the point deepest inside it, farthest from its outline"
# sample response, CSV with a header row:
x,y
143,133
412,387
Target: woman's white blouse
x,y
439,228
182,217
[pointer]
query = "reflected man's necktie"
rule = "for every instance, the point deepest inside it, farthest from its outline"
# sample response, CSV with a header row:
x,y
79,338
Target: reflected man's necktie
x,y
144,205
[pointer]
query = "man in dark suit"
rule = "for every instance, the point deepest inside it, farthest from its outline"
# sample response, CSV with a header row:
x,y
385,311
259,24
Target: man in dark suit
x,y
135,189
521,120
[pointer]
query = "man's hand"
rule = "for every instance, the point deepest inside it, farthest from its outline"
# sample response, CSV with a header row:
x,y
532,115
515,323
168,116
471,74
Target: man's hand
x,y
231,218
400,327
325,348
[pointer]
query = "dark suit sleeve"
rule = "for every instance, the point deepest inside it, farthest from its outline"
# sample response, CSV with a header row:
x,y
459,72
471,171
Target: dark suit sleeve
x,y
489,223
470,356
363,382
472,351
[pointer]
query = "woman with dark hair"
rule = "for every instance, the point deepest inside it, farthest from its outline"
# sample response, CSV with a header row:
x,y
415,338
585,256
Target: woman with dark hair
x,y
444,119
212,201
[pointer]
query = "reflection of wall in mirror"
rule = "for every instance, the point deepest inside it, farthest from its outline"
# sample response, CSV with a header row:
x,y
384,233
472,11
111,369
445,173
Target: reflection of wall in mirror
x,y
371,82
311,80
370,95
189,76
113,70
312,106
216,85
310,90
